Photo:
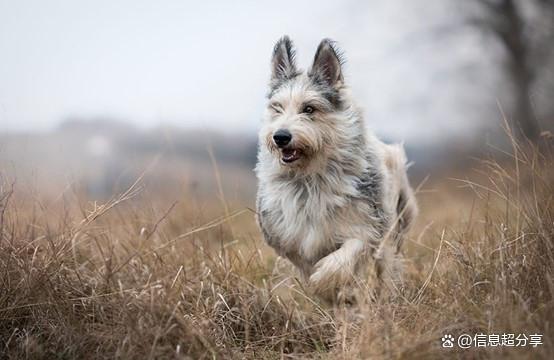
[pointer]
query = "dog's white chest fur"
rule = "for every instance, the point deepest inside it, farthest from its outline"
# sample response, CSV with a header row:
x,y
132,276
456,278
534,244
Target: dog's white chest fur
x,y
301,216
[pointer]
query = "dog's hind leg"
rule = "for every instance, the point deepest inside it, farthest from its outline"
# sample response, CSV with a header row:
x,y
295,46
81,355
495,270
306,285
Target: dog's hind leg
x,y
402,196
388,270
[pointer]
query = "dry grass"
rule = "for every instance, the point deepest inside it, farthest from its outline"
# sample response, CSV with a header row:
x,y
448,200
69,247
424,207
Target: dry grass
x,y
133,278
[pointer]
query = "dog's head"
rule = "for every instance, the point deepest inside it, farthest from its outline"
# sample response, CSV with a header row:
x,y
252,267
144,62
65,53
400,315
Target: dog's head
x,y
302,123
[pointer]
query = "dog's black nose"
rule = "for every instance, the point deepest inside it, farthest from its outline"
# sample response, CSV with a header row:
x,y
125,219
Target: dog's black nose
x,y
282,137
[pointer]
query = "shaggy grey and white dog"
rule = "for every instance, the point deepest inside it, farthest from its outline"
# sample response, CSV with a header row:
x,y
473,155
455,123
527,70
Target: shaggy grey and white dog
x,y
331,196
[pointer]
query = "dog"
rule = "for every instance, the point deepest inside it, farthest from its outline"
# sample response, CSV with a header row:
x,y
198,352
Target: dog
x,y
331,196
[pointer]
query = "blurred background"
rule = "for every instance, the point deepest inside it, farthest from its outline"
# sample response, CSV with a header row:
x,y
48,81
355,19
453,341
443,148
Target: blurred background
x,y
94,94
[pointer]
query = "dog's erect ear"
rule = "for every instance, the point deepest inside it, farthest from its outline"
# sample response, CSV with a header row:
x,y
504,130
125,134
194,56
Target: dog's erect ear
x,y
327,67
283,65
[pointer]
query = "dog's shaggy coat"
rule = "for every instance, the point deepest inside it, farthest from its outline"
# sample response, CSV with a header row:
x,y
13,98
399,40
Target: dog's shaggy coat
x,y
331,196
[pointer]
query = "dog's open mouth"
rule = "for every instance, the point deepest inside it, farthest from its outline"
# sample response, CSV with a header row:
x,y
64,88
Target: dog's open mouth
x,y
290,155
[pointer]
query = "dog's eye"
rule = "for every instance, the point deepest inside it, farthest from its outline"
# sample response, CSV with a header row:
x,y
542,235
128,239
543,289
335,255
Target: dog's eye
x,y
277,108
308,109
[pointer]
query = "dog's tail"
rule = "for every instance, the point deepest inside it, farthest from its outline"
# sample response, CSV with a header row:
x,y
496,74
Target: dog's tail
x,y
403,197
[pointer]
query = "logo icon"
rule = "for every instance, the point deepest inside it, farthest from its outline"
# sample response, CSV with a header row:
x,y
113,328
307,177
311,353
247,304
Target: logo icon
x,y
447,341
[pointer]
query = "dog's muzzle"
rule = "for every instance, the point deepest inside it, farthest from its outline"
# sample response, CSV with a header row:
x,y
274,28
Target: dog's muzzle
x,y
282,139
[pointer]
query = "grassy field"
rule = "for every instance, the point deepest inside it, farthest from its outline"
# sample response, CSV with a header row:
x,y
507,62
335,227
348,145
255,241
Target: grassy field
x,y
140,277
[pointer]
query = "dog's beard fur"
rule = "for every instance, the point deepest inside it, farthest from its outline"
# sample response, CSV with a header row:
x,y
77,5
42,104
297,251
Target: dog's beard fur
x,y
334,203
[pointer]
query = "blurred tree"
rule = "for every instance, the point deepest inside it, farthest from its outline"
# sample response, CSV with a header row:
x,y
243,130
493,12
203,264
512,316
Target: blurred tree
x,y
525,29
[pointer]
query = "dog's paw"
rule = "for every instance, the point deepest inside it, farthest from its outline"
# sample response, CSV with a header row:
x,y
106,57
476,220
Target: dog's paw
x,y
338,268
332,283
329,273
317,279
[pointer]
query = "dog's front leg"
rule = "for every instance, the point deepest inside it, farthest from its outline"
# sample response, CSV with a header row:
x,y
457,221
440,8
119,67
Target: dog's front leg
x,y
338,268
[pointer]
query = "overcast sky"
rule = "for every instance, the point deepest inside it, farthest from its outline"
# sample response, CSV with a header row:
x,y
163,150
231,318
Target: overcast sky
x,y
206,63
